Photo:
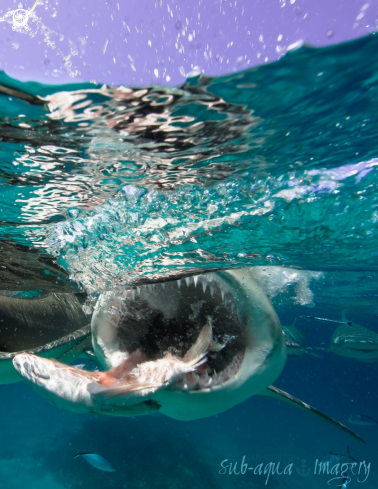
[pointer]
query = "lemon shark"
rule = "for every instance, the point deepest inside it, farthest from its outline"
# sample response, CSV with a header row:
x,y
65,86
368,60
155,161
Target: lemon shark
x,y
294,339
354,341
187,348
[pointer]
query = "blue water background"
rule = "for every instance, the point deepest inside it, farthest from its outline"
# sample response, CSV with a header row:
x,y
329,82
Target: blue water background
x,y
265,181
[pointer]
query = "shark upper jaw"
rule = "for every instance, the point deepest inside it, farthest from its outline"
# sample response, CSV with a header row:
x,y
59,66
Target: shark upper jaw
x,y
348,347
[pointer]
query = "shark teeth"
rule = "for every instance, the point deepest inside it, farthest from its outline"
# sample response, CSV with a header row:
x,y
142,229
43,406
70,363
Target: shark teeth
x,y
207,283
195,382
205,380
205,377
191,380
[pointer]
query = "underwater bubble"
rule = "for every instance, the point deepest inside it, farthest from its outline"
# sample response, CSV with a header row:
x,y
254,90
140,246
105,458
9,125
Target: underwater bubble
x,y
133,193
74,213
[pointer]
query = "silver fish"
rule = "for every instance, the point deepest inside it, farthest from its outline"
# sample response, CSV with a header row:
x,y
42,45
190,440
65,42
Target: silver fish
x,y
97,461
336,458
346,482
362,419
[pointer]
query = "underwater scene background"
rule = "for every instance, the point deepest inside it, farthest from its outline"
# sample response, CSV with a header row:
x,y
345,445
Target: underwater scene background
x,y
272,167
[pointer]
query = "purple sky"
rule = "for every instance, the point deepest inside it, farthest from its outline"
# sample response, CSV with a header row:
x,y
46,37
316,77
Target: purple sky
x,y
142,42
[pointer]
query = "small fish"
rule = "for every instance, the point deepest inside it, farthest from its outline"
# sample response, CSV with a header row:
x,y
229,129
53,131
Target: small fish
x,y
332,459
97,461
346,481
336,458
362,420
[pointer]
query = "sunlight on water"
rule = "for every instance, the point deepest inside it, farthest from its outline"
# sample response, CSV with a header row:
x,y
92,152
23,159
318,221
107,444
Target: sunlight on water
x,y
275,165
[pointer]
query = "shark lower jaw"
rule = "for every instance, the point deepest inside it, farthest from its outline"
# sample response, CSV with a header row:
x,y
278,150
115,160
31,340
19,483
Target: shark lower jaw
x,y
344,344
361,350
167,318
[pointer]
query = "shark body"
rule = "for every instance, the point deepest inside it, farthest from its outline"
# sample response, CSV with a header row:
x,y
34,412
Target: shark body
x,y
218,332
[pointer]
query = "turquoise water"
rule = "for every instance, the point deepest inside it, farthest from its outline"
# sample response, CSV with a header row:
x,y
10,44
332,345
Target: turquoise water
x,y
274,166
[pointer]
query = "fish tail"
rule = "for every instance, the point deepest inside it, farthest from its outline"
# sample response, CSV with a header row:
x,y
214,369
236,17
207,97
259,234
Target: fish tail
x,y
197,354
350,456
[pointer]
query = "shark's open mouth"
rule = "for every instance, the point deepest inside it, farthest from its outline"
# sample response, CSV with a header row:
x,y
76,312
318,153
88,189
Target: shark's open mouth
x,y
360,350
362,346
168,317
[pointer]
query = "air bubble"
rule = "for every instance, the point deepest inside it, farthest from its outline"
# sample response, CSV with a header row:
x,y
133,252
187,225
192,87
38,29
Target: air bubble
x,y
74,213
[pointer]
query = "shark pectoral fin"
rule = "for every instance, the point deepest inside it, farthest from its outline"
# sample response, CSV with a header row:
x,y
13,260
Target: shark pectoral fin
x,y
284,396
99,392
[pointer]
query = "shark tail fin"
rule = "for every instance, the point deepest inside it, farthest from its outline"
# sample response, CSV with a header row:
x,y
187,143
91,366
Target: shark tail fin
x,y
284,396
350,456
196,355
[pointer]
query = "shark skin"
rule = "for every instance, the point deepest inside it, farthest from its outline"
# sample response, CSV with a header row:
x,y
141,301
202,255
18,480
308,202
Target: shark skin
x,y
54,326
260,360
224,317
294,339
